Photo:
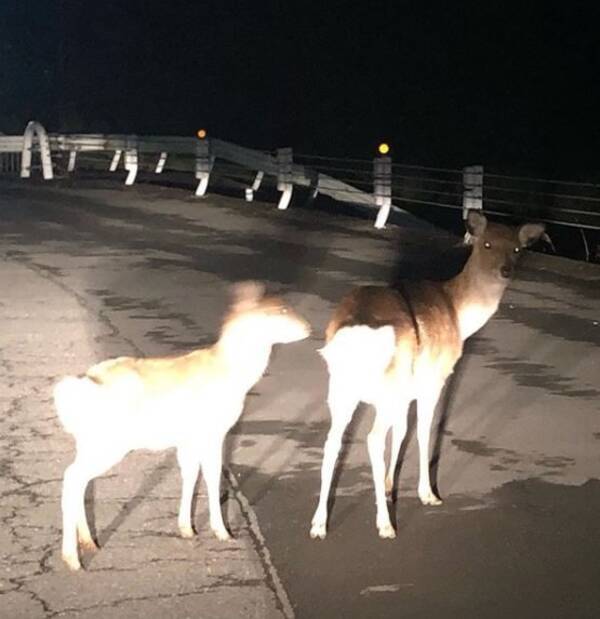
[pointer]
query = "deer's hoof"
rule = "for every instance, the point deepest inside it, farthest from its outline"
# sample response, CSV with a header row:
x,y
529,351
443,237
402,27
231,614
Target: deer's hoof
x,y
428,498
72,561
187,532
318,531
386,531
222,534
88,544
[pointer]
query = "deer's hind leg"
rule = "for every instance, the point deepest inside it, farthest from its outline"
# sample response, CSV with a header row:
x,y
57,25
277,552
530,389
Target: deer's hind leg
x,y
342,403
426,403
390,413
212,465
398,434
188,459
90,462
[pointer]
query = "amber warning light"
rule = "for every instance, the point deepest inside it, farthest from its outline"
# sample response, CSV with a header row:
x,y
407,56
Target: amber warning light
x,y
201,133
383,148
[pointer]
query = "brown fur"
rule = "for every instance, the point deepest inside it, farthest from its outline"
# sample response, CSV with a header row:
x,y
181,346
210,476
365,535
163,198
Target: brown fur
x,y
429,322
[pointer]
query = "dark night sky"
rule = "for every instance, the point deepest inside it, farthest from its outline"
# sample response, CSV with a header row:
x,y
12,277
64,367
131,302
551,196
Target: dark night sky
x,y
510,85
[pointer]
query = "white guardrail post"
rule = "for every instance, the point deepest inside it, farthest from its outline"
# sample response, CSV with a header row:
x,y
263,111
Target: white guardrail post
x,y
285,162
114,162
131,159
382,186
255,186
472,188
472,192
32,130
72,160
204,165
161,163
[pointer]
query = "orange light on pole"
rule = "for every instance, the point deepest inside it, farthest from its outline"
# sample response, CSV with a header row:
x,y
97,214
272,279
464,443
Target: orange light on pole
x,y
201,133
383,148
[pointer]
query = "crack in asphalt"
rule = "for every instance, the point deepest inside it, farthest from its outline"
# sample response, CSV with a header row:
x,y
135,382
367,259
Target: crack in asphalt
x,y
220,584
50,275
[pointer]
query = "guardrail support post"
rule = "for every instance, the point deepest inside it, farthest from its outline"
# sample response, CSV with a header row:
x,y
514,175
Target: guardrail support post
x,y
34,128
285,161
314,187
255,186
131,160
9,162
114,164
204,165
472,192
161,163
472,188
382,185
72,160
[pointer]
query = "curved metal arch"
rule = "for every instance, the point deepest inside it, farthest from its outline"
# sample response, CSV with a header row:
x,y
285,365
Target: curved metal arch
x,y
36,129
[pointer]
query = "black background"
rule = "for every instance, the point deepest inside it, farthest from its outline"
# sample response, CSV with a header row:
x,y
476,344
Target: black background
x,y
513,86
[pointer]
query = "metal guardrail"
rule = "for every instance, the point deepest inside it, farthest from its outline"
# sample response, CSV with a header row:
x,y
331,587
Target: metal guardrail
x,y
199,154
421,188
377,183
10,163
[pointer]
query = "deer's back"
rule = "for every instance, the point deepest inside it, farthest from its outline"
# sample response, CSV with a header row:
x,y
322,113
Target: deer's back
x,y
156,403
428,341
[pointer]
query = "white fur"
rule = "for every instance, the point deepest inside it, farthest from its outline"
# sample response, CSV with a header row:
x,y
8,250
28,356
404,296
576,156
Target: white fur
x,y
357,358
360,355
117,408
473,317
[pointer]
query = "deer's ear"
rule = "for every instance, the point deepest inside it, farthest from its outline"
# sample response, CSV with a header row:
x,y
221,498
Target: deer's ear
x,y
530,233
476,222
247,294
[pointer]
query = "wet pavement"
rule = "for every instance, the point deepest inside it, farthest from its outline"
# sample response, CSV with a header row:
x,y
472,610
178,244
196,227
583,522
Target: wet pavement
x,y
95,270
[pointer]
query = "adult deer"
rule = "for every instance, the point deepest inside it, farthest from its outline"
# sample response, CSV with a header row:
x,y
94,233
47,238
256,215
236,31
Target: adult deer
x,y
387,347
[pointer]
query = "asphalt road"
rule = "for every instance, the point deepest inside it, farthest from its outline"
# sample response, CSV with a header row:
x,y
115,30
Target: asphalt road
x,y
94,270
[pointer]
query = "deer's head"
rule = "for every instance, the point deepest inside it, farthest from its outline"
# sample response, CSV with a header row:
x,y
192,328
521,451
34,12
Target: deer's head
x,y
266,318
497,247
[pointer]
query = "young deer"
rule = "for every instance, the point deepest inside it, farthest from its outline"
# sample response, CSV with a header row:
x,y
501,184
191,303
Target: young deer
x,y
388,347
188,402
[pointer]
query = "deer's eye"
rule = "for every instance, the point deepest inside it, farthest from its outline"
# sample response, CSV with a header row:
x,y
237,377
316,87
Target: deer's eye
x,y
517,250
487,245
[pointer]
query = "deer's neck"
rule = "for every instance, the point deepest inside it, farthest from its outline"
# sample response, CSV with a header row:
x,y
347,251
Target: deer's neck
x,y
244,357
475,295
